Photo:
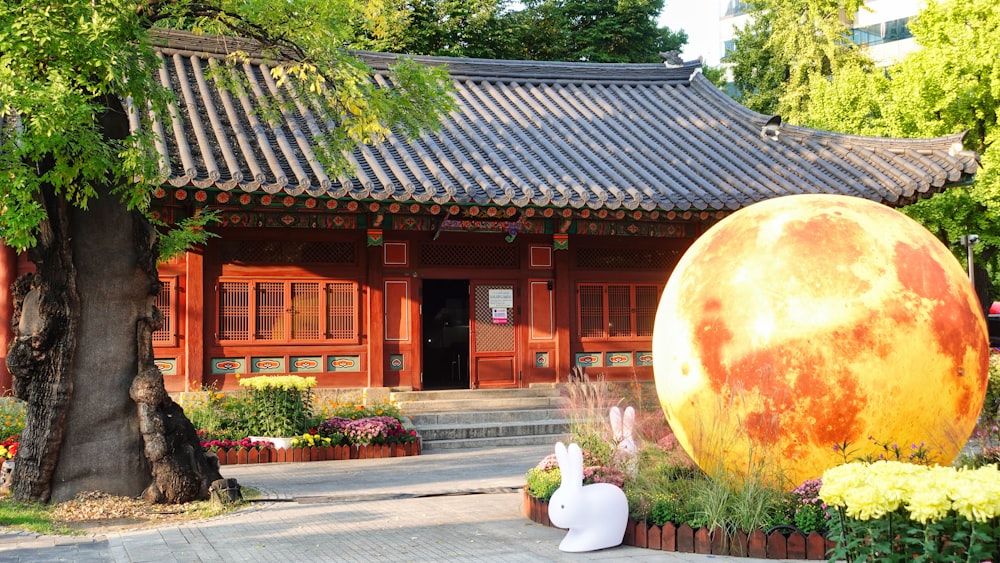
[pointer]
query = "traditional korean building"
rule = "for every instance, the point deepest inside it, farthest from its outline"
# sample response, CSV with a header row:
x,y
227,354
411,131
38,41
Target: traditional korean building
x,y
532,234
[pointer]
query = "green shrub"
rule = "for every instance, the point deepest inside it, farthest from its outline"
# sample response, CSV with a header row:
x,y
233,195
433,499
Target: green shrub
x,y
277,405
215,415
665,508
542,483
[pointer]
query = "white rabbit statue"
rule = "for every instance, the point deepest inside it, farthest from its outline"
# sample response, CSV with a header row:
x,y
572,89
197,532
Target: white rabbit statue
x,y
626,452
596,514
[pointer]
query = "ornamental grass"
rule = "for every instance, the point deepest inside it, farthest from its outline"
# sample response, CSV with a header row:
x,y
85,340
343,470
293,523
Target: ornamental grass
x,y
667,486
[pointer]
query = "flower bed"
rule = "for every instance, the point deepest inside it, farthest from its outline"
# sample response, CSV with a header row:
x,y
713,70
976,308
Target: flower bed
x,y
778,544
234,426
240,455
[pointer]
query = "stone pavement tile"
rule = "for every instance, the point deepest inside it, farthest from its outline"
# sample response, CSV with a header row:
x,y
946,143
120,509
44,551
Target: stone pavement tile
x,y
461,506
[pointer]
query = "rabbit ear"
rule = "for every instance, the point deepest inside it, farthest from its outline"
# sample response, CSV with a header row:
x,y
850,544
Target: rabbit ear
x,y
561,455
616,422
573,473
629,422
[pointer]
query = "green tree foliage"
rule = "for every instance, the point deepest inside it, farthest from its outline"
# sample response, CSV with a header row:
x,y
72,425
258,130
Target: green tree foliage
x,y
551,30
59,61
75,180
758,73
788,43
592,30
450,28
856,100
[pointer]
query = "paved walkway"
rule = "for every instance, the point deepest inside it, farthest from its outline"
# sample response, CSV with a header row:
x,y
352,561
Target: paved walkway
x,y
458,505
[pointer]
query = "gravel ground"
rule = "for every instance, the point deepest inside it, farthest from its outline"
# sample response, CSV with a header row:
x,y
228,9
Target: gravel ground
x,y
97,513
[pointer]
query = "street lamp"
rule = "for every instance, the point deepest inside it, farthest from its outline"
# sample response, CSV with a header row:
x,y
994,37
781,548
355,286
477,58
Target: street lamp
x,y
967,241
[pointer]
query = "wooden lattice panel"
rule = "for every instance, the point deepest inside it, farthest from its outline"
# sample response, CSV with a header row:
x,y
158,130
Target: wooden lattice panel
x,y
289,252
234,310
164,302
619,310
490,336
270,307
468,255
616,310
591,310
305,311
647,299
625,258
288,311
341,310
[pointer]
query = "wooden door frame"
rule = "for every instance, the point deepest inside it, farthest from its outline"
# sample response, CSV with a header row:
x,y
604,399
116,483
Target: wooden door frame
x,y
512,355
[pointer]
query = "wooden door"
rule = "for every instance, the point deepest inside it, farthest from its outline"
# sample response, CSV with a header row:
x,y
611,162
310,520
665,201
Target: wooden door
x,y
494,334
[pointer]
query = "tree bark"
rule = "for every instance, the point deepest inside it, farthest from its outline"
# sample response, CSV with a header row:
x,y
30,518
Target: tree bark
x,y
98,415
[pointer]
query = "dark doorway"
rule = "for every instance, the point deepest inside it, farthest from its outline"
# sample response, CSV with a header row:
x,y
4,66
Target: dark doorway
x,y
445,328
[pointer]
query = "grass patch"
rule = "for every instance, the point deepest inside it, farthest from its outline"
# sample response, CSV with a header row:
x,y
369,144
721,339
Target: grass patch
x,y
30,517
96,512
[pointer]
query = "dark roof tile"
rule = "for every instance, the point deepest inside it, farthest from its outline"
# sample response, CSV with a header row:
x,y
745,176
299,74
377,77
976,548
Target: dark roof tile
x,y
529,133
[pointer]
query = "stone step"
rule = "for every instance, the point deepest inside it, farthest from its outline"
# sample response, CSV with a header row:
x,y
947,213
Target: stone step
x,y
421,402
508,441
457,418
480,418
438,433
458,405
473,394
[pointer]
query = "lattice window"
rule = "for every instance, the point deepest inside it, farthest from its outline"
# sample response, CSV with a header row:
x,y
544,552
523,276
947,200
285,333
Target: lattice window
x,y
647,299
625,258
591,308
289,252
234,310
619,310
290,311
616,310
341,310
166,334
270,308
306,320
469,255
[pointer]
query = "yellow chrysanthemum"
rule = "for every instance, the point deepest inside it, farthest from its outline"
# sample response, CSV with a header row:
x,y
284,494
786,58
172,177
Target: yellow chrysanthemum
x,y
838,480
930,499
976,496
279,382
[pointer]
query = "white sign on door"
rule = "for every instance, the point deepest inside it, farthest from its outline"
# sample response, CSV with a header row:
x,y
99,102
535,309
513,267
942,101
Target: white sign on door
x,y
501,298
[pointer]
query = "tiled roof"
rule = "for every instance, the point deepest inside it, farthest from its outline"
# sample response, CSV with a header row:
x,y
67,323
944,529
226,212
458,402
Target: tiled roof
x,y
528,133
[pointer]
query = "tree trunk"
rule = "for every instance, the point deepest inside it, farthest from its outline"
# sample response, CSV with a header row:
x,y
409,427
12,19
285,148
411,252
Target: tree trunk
x,y
98,417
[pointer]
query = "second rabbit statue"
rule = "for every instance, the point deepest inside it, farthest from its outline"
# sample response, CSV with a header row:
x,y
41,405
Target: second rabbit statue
x,y
626,455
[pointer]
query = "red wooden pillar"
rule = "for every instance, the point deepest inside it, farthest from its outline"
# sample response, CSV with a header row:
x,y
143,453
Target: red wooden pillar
x,y
373,327
194,321
564,297
8,273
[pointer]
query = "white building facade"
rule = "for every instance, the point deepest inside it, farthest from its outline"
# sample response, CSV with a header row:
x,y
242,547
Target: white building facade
x,y
881,27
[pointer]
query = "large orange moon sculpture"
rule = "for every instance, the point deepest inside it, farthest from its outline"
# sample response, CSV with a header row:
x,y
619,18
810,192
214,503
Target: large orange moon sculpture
x,y
808,322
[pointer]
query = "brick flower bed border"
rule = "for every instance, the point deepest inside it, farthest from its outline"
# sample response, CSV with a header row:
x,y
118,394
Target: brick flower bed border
x,y
327,453
685,539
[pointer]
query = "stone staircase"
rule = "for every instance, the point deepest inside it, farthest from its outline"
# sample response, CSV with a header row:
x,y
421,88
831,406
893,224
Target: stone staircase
x,y
485,417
